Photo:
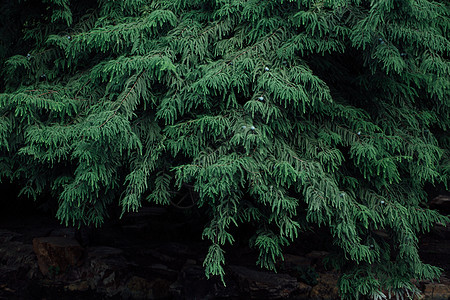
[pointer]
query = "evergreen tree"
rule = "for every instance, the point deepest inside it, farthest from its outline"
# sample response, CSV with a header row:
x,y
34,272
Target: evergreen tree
x,y
281,114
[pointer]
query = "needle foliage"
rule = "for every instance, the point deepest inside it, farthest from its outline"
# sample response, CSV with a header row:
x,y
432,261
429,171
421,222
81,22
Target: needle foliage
x,y
282,114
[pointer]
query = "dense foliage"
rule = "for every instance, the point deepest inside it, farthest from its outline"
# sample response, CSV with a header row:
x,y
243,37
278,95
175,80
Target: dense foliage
x,y
280,114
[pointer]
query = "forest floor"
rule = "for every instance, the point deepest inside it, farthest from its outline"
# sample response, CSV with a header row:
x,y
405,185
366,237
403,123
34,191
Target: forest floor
x,y
156,255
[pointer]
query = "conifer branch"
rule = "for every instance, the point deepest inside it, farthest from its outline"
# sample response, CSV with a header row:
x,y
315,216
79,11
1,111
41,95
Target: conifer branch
x,y
121,102
248,49
268,114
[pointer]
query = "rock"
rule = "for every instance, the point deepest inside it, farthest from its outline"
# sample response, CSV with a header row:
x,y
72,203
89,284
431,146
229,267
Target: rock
x,y
5,288
80,286
176,289
291,260
16,254
317,259
6,294
264,285
436,252
63,232
441,231
164,271
299,267
173,254
103,252
107,275
442,203
99,267
141,288
161,289
436,247
192,284
317,254
106,271
56,254
303,289
7,236
326,287
17,260
18,266
437,291
160,256
109,279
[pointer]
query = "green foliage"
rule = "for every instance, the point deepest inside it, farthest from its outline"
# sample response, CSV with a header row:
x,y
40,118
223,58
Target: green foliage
x,y
280,114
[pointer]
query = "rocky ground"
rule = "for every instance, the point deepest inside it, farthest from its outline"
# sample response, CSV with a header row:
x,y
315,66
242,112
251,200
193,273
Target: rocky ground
x,y
146,257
